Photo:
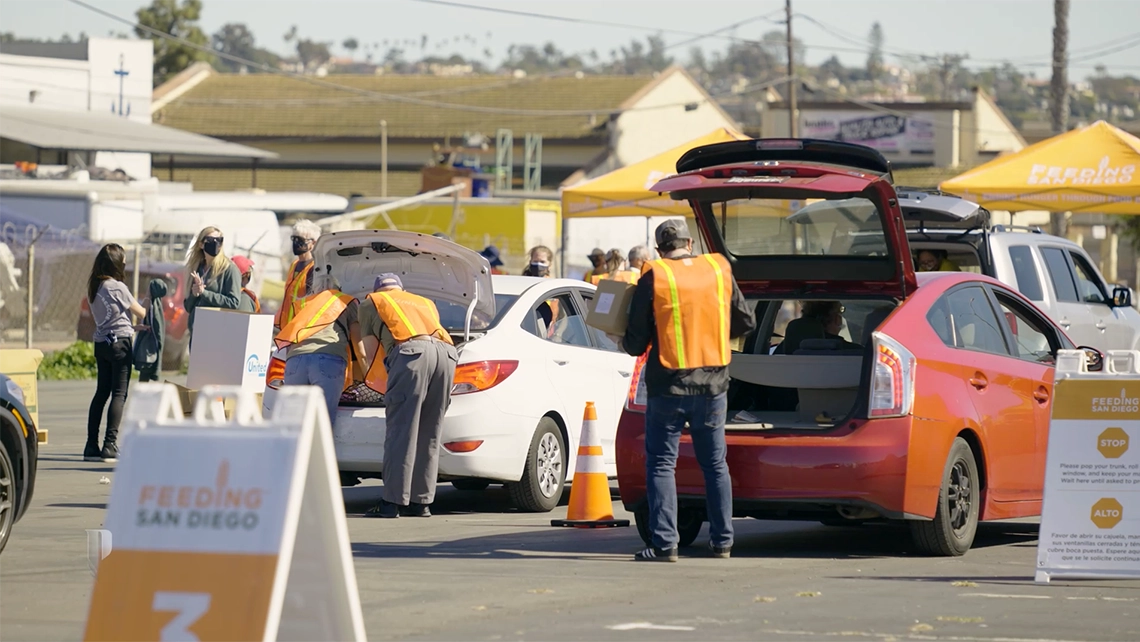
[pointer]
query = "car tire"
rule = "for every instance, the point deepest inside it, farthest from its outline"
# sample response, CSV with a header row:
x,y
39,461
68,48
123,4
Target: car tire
x,y
470,485
689,523
8,494
951,532
544,473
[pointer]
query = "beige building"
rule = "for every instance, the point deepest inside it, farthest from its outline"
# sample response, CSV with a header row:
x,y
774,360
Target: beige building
x,y
327,130
909,134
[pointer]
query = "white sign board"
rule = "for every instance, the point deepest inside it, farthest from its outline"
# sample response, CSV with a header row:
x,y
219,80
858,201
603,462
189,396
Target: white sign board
x,y
226,530
888,133
1090,520
230,348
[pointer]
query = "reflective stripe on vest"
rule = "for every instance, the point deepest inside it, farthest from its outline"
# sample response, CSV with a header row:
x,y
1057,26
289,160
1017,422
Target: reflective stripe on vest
x,y
408,315
294,292
691,299
320,311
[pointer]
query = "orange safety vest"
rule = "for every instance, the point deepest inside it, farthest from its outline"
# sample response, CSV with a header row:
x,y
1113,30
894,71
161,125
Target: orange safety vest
x,y
625,276
294,292
318,312
692,299
253,297
407,315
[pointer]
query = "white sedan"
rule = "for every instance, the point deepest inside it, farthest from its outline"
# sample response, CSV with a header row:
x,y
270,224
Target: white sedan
x,y
528,363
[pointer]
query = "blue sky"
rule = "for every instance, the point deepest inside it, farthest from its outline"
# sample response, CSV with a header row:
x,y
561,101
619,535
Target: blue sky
x,y
988,31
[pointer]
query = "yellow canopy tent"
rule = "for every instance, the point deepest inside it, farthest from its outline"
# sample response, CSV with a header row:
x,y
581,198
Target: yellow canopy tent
x,y
625,191
1091,169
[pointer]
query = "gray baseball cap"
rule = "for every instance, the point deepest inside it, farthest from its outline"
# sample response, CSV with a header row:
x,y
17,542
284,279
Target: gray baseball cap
x,y
672,230
387,280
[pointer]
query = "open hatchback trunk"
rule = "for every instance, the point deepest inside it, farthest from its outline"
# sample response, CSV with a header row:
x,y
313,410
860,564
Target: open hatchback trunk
x,y
803,223
457,279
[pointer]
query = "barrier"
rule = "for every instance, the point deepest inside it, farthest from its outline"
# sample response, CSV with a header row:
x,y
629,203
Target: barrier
x,y
590,503
226,529
1090,517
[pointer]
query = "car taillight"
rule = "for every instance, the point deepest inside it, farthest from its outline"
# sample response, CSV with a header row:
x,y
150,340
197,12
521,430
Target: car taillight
x,y
275,374
481,375
463,446
892,378
635,397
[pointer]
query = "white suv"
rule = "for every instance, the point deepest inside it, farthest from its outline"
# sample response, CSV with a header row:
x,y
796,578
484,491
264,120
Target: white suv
x,y
1053,272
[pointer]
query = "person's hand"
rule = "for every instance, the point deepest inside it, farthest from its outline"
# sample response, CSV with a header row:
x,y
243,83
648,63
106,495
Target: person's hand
x,y
197,287
142,327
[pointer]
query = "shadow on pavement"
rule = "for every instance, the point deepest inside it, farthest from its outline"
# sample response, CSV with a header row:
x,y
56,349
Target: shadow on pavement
x,y
69,505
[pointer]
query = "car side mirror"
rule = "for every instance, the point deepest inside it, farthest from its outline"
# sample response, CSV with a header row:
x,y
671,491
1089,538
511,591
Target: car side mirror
x,y
1094,359
1121,297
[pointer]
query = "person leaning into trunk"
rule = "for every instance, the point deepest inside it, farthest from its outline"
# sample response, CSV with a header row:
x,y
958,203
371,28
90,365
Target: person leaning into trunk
x,y
111,306
420,359
684,312
214,279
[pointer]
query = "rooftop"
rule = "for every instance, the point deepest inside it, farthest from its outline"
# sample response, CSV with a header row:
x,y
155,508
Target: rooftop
x,y
251,106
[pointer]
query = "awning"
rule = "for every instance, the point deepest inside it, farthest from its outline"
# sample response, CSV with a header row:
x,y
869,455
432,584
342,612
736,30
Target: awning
x,y
1091,169
625,191
90,131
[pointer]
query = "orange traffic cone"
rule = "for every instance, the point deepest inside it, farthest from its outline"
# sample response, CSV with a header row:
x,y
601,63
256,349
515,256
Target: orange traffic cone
x,y
590,504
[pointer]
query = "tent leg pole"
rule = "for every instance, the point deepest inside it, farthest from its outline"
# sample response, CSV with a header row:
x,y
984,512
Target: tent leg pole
x,y
565,239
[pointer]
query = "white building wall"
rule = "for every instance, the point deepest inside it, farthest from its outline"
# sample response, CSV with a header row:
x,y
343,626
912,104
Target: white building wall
x,y
644,132
995,134
88,85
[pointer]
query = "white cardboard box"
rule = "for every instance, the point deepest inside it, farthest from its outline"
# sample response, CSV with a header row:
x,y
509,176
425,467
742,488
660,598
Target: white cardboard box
x,y
230,348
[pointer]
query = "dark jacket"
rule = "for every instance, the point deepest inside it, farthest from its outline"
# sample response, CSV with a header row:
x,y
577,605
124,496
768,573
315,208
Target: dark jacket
x,y
224,292
148,344
642,330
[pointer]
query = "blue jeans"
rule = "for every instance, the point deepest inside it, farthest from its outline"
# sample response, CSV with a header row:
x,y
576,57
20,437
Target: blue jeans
x,y
665,417
322,370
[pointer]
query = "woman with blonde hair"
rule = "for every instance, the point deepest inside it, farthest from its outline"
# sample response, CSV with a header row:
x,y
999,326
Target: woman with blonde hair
x,y
215,281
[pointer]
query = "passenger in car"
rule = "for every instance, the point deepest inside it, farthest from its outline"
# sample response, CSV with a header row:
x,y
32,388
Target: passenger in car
x,y
820,320
935,261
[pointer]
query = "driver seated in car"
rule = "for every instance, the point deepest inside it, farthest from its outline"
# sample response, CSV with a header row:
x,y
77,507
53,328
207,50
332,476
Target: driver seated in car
x,y
935,261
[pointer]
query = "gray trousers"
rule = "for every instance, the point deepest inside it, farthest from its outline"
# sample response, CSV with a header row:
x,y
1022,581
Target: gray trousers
x,y
420,374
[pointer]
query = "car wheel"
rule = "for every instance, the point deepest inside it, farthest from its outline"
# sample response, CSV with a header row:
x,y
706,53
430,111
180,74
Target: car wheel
x,y
544,474
951,532
471,485
7,496
689,522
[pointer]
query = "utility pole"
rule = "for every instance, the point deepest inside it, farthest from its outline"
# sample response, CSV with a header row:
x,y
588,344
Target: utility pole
x,y
383,158
1059,92
793,119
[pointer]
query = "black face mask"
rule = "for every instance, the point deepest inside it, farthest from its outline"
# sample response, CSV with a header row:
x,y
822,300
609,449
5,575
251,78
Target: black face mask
x,y
538,269
300,246
211,246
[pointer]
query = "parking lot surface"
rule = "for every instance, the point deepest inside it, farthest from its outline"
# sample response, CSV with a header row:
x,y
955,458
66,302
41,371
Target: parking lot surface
x,y
479,570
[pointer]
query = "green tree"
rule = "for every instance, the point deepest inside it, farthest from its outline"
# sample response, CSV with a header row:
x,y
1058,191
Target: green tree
x,y
351,44
181,21
237,40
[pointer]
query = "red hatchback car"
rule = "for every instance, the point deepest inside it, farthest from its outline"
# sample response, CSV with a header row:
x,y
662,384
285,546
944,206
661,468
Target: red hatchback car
x,y
867,392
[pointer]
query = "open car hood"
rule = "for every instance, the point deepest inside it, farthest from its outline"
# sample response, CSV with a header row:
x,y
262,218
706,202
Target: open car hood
x,y
816,219
429,266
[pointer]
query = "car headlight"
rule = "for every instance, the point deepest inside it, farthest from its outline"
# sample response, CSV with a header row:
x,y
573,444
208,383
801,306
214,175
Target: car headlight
x,y
15,390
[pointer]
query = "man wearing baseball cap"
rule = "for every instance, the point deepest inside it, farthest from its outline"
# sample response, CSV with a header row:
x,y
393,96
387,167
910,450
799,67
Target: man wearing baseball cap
x,y
419,358
248,301
684,311
597,258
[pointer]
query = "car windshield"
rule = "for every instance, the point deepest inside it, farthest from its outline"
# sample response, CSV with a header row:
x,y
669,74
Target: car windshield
x,y
816,227
452,316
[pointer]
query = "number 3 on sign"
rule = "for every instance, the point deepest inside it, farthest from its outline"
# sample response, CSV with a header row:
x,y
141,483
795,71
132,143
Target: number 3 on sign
x,y
190,608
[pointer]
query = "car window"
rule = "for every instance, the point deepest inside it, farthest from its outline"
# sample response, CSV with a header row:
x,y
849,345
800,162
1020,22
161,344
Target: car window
x,y
1088,281
939,319
1030,333
600,339
1025,271
557,320
1060,274
973,324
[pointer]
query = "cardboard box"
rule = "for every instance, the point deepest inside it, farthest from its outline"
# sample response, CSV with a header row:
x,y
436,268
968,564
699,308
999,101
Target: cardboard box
x,y
609,309
189,398
230,348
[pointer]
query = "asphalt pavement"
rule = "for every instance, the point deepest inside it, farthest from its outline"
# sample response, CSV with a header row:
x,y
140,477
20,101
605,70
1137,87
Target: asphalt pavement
x,y
479,570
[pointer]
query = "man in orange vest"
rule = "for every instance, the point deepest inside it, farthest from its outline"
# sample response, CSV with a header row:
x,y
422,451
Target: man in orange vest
x,y
420,360
247,302
318,339
597,258
299,280
684,312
